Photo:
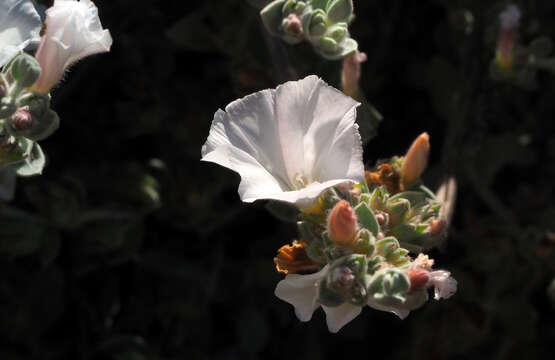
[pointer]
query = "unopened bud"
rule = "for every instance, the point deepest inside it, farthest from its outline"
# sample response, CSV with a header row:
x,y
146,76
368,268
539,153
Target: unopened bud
x,y
416,159
351,73
292,25
342,224
437,227
342,279
25,69
418,278
22,120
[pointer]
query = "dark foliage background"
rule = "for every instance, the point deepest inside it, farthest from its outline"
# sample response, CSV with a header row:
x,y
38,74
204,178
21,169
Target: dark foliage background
x,y
130,248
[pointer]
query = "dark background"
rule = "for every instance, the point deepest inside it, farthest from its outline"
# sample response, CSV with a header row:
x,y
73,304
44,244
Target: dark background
x,y
128,247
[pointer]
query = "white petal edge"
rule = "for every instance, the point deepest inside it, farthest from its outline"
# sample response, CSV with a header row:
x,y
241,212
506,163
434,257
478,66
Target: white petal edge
x,y
254,137
339,316
301,291
19,26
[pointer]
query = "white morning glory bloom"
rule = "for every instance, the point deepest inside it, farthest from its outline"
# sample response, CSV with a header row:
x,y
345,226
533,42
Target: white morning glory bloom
x,y
73,31
289,143
301,291
20,25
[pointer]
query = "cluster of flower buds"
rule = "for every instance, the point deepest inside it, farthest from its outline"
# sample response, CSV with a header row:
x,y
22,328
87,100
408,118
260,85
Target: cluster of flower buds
x,y
299,144
361,238
323,23
72,30
514,62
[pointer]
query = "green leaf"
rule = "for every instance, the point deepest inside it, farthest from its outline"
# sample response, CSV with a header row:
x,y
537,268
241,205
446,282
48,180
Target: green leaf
x,y
339,10
366,218
272,16
33,163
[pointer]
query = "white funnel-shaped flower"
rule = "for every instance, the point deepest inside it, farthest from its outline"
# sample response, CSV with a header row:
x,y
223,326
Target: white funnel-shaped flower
x,y
288,144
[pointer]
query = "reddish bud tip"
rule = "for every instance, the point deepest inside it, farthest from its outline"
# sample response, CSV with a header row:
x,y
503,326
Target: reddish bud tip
x,y
342,224
22,120
418,278
293,24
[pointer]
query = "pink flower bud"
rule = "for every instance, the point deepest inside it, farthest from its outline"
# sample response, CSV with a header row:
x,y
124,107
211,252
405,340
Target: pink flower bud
x,y
416,159
342,224
22,120
418,278
351,73
73,31
293,25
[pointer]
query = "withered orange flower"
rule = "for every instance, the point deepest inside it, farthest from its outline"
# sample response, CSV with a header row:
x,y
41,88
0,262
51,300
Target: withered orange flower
x,y
386,175
293,258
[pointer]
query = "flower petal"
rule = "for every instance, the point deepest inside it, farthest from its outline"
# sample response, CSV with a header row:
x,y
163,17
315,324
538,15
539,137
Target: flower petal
x,y
318,135
74,31
19,25
339,316
301,291
302,136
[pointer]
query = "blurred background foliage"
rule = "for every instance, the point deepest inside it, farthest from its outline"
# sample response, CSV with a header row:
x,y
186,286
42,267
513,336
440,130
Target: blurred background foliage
x,y
130,248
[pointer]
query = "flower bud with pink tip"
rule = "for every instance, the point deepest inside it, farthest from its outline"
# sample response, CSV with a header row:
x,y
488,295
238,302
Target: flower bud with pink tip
x,y
418,278
73,31
342,224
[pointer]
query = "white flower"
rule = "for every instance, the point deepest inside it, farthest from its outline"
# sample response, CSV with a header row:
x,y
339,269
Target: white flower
x,y
288,144
19,25
73,31
445,286
301,291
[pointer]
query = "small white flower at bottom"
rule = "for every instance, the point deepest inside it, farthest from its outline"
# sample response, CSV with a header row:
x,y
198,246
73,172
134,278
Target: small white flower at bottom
x,y
301,291
445,286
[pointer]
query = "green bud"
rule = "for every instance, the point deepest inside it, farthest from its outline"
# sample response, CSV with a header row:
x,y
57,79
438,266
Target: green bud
x,y
374,264
389,287
398,209
318,16
390,249
366,242
25,70
318,29
339,10
346,281
299,8
288,7
37,103
338,32
379,198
